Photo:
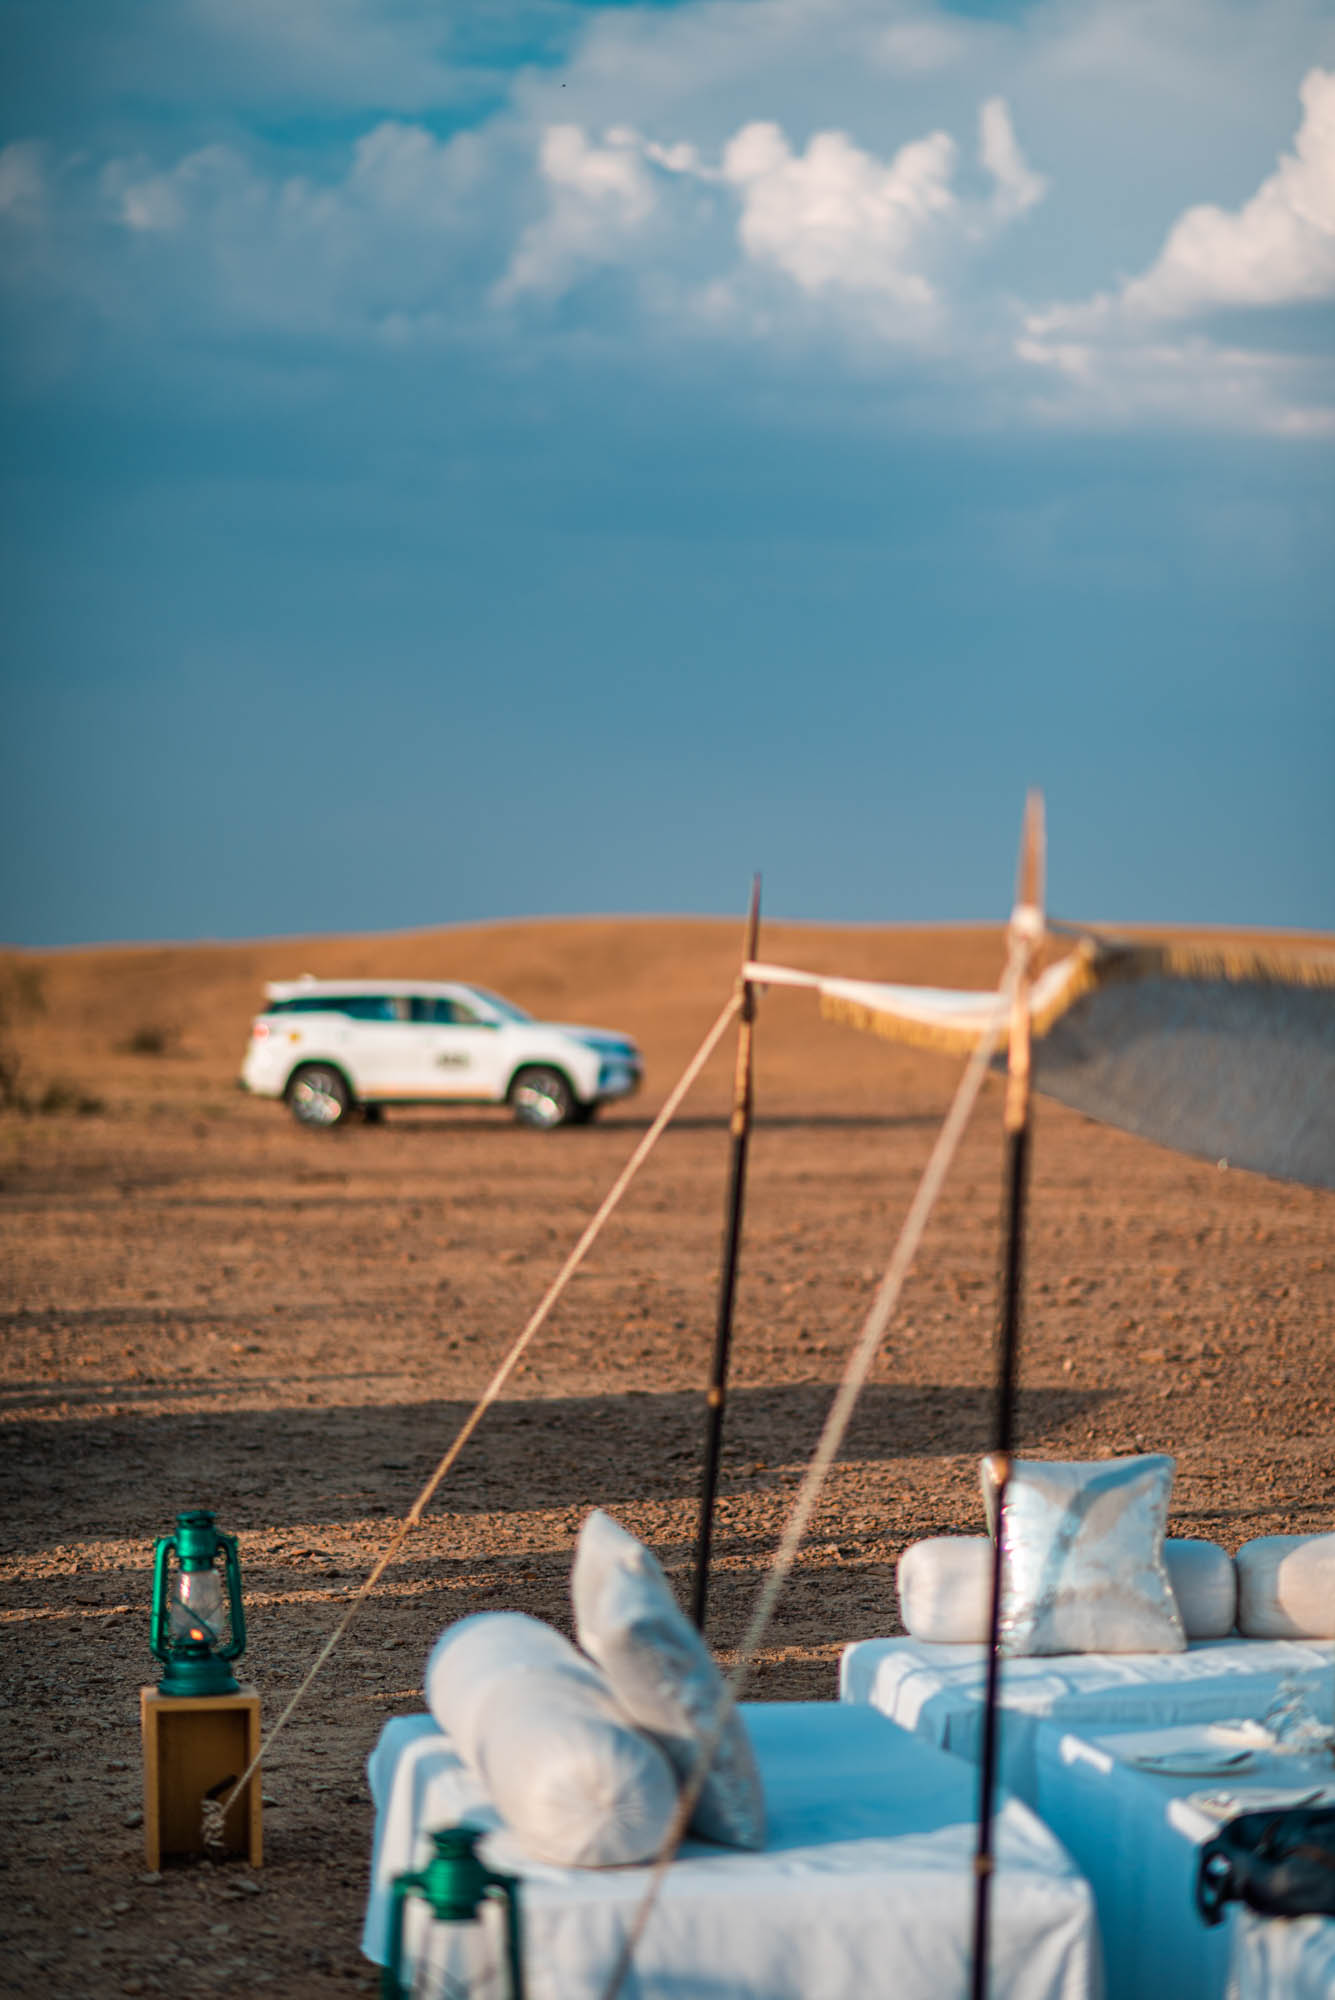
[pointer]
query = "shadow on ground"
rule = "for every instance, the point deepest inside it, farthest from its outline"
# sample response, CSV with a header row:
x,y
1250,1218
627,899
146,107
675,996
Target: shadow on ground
x,y
114,1476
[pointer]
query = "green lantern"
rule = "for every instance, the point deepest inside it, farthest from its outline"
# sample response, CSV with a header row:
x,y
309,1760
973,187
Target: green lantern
x,y
456,1885
195,1632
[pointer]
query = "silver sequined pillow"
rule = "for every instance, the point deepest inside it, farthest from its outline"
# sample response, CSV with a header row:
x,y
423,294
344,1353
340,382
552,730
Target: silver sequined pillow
x,y
661,1671
1082,1558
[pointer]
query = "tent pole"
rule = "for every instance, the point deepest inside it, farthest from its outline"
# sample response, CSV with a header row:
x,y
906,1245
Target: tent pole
x,y
1025,935
717,1394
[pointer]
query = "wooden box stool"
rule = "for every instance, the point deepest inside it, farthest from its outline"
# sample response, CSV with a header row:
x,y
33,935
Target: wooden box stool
x,y
195,1748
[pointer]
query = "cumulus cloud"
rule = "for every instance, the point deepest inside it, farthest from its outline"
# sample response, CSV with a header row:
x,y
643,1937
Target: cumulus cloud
x,y
599,199
863,237
881,180
397,173
1278,249
1115,351
836,218
1191,381
374,246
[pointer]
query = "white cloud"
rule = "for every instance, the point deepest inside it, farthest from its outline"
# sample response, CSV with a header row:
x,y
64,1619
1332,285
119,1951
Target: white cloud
x,y
1278,249
1018,187
402,170
865,239
1113,352
399,173
1192,383
161,204
599,198
836,218
853,180
367,252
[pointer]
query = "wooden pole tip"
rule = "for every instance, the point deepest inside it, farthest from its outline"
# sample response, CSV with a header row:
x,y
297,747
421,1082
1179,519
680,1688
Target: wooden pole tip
x,y
1029,883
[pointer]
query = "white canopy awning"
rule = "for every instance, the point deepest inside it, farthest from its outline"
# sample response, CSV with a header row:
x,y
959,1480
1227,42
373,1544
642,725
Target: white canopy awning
x,y
1220,1051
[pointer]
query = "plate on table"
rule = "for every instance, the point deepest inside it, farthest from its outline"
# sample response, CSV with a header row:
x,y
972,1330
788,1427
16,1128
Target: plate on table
x,y
1243,1734
1205,1763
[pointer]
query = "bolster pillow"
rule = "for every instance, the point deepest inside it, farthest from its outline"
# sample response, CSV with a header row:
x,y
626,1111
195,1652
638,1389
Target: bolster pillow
x,y
538,1727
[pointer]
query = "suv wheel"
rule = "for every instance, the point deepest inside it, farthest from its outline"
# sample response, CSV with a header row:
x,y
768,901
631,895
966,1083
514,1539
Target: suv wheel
x,y
543,1098
318,1096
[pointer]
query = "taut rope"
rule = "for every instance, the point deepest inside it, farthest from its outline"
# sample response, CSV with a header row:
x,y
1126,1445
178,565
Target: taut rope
x,y
498,1381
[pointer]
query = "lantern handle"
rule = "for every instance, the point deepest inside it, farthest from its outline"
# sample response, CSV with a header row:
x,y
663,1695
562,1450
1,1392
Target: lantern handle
x,y
157,1631
236,1645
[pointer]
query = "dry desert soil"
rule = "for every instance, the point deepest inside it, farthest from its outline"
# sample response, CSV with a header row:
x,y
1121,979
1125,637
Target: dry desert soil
x,y
204,1305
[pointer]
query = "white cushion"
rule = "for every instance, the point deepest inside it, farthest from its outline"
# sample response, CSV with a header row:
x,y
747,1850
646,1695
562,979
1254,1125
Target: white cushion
x,y
1205,1585
541,1731
945,1588
1083,1568
1201,1574
660,1669
1286,1587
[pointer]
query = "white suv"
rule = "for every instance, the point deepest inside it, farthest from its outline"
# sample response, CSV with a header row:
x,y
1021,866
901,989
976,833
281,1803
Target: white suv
x,y
331,1047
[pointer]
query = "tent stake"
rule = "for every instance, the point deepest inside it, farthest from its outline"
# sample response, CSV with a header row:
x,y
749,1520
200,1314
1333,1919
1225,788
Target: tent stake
x,y
1026,934
717,1394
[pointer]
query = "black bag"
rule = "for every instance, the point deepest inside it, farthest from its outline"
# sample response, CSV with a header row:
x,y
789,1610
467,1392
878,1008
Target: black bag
x,y
1280,1863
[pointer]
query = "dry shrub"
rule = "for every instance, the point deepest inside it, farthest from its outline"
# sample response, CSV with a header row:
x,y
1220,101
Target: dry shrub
x,y
151,1038
61,1096
22,998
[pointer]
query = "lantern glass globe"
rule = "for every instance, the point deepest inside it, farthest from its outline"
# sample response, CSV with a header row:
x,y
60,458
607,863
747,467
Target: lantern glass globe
x,y
197,1611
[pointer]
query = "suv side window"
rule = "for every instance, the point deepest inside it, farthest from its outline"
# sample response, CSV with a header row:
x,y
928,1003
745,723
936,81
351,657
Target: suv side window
x,y
356,1006
443,1013
370,1007
305,1003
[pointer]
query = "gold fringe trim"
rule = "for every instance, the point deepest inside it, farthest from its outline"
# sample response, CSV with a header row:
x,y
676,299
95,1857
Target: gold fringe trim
x,y
1082,976
896,1028
1234,965
1093,964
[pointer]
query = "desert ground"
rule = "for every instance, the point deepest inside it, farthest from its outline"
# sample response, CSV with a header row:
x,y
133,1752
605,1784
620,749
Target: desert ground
x,y
205,1306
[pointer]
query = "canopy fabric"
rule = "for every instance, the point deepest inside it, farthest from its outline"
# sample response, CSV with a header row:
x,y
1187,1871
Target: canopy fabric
x,y
1222,1052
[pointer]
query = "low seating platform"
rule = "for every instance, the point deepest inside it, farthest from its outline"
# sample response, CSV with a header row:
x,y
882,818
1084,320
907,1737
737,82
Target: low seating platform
x,y
864,1885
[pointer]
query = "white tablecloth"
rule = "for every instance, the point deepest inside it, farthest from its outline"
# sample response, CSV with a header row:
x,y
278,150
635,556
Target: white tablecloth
x,y
1068,1728
937,1691
1137,1835
864,1887
1282,1958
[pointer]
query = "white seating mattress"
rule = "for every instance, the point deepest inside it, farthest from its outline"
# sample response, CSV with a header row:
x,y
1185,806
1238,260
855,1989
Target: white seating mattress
x,y
864,1887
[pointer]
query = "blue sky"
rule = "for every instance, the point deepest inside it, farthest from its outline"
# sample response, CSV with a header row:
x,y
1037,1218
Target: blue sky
x,y
513,459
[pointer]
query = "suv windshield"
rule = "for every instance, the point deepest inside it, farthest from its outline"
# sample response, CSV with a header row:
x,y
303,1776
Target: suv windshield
x,y
505,1008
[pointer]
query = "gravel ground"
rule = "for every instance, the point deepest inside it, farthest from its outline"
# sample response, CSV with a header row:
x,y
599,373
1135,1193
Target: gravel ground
x,y
205,1306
